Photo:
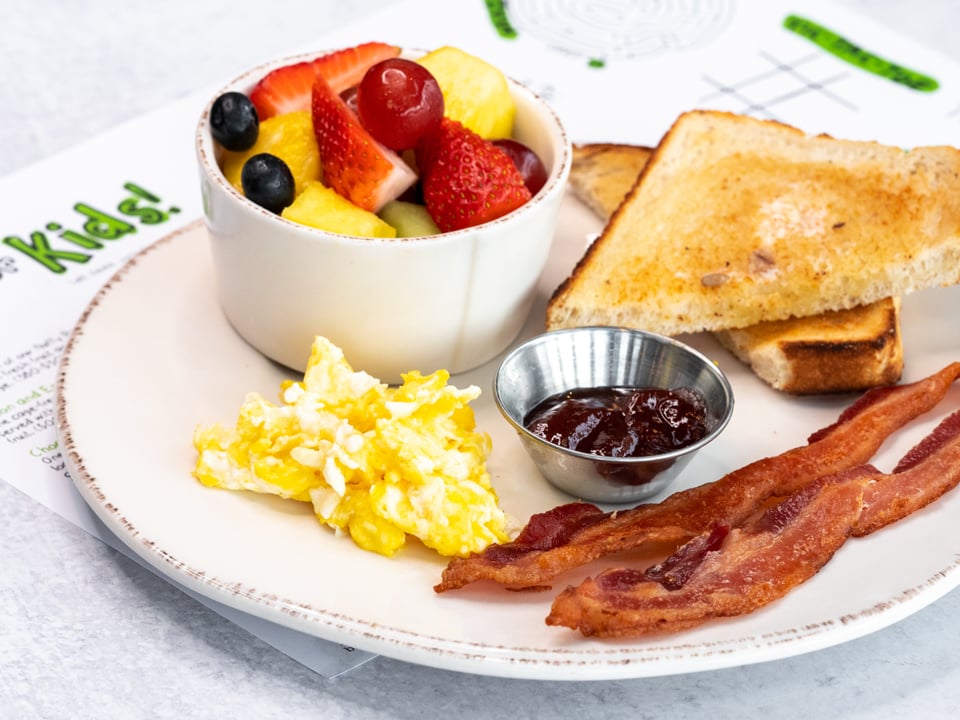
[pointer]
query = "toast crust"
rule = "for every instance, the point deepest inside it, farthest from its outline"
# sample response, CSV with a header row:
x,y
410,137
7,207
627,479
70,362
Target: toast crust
x,y
736,221
834,352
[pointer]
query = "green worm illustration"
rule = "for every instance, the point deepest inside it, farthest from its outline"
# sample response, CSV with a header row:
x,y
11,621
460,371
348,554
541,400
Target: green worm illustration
x,y
501,23
858,57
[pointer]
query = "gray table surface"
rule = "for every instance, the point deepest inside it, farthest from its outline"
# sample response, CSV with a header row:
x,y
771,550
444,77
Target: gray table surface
x,y
86,633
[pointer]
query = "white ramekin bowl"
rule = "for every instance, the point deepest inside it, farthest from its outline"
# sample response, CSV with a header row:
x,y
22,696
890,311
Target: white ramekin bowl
x,y
449,301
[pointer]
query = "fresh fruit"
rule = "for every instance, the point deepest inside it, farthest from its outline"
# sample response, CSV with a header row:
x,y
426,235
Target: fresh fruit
x,y
475,93
467,180
409,219
354,163
289,88
290,137
529,164
398,101
323,208
349,96
268,182
413,142
233,121
414,193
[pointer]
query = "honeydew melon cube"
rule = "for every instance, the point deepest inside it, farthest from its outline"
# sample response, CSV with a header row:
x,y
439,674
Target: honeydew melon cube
x,y
409,219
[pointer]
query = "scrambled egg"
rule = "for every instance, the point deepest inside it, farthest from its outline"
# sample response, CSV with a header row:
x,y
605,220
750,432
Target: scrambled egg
x,y
377,462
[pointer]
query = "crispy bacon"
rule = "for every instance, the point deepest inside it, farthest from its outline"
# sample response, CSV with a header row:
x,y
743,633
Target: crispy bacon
x,y
849,442
549,530
674,572
929,470
756,564
783,547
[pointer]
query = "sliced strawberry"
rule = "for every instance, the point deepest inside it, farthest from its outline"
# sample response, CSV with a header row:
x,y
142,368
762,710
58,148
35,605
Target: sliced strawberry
x,y
289,88
354,164
467,180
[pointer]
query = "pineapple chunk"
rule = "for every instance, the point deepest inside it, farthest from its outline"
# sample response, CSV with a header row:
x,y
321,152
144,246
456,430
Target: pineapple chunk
x,y
290,137
475,93
323,208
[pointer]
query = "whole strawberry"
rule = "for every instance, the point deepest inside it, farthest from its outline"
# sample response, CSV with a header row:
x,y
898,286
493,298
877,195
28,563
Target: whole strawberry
x,y
467,180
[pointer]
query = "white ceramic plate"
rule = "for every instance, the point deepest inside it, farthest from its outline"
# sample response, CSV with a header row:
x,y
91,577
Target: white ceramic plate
x,y
153,357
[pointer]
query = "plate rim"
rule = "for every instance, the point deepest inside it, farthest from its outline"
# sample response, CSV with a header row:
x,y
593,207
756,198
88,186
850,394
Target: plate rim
x,y
589,661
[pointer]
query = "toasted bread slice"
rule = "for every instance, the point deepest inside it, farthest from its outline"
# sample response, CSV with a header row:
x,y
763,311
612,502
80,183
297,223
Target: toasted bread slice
x,y
603,173
736,221
836,351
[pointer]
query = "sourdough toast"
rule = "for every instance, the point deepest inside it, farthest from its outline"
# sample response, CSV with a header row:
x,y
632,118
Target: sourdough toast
x,y
835,351
603,173
736,221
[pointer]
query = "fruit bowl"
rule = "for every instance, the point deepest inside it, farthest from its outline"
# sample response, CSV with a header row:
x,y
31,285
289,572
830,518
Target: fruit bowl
x,y
452,300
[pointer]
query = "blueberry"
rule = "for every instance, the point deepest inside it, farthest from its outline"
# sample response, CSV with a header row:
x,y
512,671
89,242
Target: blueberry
x,y
268,182
234,122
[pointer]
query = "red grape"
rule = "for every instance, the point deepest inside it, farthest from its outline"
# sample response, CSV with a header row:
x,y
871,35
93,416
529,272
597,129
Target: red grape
x,y
398,101
349,96
529,164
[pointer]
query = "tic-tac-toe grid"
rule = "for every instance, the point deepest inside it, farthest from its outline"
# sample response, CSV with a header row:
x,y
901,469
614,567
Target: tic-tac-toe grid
x,y
777,83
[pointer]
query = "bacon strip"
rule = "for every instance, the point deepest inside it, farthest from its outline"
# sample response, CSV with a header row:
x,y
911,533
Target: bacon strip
x,y
757,564
929,470
674,572
761,562
850,441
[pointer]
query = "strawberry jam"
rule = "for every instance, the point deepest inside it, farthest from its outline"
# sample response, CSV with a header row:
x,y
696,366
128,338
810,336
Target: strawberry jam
x,y
621,421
